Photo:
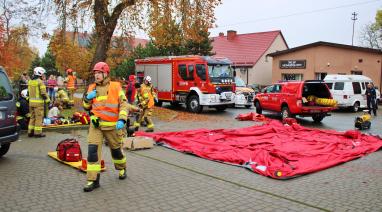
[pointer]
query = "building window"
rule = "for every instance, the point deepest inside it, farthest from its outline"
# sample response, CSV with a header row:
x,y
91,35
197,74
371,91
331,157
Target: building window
x,y
320,76
360,60
356,72
288,77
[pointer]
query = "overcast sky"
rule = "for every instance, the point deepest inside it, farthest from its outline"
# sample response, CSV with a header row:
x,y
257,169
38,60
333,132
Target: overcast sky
x,y
300,21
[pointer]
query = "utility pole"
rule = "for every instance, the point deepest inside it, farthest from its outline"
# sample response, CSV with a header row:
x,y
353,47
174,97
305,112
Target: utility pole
x,y
353,18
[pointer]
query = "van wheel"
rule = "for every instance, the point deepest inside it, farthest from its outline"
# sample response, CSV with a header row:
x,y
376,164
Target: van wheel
x,y
259,110
318,117
355,107
193,104
285,113
4,148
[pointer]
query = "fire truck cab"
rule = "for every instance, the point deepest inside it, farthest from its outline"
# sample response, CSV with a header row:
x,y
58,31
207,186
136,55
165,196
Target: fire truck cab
x,y
196,81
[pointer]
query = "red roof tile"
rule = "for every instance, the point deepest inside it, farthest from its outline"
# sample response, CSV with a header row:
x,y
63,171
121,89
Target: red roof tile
x,y
244,49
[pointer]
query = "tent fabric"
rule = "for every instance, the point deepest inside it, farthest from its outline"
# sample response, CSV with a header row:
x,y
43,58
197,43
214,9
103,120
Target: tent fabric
x,y
273,149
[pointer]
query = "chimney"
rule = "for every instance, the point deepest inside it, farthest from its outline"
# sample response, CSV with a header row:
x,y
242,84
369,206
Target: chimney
x,y
221,34
231,34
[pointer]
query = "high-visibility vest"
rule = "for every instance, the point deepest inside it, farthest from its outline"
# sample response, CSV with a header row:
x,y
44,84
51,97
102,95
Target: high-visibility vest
x,y
146,93
107,107
71,81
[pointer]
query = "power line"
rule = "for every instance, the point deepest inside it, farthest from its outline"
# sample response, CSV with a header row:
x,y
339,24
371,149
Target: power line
x,y
299,13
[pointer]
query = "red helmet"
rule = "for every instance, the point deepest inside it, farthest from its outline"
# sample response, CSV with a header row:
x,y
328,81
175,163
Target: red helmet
x,y
131,77
102,66
69,70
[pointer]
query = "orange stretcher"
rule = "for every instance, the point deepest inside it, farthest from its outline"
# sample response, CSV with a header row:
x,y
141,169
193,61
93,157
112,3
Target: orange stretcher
x,y
81,165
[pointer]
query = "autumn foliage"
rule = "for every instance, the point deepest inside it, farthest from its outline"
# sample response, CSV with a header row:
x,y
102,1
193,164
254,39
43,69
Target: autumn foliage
x,y
69,54
15,53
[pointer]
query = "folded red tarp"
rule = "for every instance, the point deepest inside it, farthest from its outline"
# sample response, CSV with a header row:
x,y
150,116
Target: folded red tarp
x,y
273,149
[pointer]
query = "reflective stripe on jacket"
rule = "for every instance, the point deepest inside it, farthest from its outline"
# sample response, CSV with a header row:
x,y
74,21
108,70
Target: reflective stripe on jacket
x,y
107,107
147,95
36,90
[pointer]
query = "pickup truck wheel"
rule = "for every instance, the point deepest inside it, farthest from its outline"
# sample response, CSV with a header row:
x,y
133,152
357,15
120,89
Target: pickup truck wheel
x,y
259,110
355,107
318,117
285,113
4,148
193,104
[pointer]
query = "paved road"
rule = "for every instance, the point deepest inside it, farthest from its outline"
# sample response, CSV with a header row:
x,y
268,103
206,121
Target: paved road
x,y
160,179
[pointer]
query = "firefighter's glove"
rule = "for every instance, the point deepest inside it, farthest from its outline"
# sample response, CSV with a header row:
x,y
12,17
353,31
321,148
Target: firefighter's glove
x,y
156,99
91,95
95,121
120,124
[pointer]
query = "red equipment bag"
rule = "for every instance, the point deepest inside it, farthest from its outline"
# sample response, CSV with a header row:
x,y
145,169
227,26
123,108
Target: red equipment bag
x,y
69,150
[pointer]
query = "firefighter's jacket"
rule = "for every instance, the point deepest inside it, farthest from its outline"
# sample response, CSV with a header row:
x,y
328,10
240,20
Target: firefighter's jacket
x,y
110,104
62,96
37,93
71,82
146,95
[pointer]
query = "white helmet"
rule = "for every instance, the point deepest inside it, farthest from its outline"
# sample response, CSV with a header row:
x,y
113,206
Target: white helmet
x,y
39,71
148,79
24,93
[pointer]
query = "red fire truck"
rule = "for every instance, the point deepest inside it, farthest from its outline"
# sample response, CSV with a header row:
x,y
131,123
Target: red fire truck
x,y
196,81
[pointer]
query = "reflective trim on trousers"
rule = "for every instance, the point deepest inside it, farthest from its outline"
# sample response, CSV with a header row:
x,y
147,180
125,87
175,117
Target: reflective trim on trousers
x,y
150,126
122,161
93,167
30,127
136,124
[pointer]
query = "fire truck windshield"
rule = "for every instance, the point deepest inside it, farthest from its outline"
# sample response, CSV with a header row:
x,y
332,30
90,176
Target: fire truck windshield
x,y
217,71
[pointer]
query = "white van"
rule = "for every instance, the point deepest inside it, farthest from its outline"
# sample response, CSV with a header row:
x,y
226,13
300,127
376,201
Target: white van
x,y
349,90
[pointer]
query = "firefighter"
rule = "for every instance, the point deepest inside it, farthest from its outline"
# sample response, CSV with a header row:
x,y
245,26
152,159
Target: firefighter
x,y
62,98
108,108
23,114
146,96
38,98
71,84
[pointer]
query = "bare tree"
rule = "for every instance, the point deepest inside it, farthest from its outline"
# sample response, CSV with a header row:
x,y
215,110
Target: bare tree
x,y
371,36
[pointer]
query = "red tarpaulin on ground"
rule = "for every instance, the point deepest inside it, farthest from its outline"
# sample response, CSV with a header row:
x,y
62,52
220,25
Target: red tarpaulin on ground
x,y
273,149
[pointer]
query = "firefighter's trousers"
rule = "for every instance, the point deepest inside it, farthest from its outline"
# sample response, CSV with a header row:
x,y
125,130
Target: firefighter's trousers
x,y
95,138
146,115
36,118
71,92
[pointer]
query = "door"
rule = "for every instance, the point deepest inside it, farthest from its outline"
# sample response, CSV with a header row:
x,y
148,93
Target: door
x,y
275,98
7,104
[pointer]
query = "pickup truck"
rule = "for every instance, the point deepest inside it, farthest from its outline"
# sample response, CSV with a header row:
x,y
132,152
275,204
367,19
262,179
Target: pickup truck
x,y
294,98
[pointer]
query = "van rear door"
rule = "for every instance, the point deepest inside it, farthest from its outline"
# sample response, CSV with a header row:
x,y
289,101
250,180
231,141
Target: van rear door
x,y
7,104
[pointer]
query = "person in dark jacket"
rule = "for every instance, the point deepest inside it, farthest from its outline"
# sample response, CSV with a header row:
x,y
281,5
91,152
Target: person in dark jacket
x,y
23,114
371,98
130,89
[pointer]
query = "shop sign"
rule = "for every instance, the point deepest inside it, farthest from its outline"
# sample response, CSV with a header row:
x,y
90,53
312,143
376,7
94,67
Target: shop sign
x,y
292,64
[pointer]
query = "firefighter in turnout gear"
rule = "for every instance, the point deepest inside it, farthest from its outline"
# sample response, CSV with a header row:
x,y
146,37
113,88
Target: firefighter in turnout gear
x,y
22,106
108,108
37,98
146,97
71,84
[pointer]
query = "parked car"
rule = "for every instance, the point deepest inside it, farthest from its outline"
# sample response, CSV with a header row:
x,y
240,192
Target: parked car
x,y
9,130
243,94
349,90
295,98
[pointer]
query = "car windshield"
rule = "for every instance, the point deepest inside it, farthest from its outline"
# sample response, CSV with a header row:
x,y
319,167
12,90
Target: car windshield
x,y
5,88
217,70
239,82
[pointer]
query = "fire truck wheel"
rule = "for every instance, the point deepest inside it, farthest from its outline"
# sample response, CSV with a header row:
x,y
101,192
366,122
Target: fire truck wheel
x,y
158,104
285,113
259,110
193,104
